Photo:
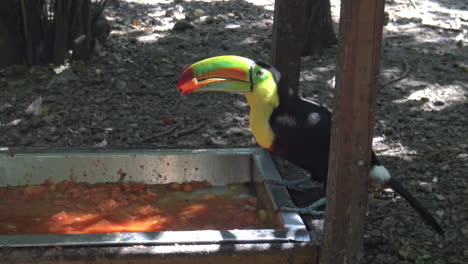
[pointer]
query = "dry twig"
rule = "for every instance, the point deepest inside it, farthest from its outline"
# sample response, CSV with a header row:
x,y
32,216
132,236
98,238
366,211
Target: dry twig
x,y
189,130
96,128
404,75
441,27
389,215
413,4
162,133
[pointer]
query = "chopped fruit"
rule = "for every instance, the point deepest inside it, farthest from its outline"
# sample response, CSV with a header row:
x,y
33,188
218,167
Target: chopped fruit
x,y
69,207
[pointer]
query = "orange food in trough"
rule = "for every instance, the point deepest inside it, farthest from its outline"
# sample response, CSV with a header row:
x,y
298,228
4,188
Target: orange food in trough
x,y
69,207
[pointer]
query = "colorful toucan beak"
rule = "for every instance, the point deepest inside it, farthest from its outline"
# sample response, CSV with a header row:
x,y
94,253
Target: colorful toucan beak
x,y
223,73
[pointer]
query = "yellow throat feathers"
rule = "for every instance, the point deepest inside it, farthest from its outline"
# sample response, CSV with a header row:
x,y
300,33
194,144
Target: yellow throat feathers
x,y
262,101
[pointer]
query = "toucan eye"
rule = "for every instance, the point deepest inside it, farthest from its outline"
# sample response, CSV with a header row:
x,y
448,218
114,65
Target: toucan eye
x,y
259,73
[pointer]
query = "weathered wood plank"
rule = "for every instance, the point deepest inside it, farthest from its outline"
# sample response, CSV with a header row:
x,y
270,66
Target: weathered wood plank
x,y
352,130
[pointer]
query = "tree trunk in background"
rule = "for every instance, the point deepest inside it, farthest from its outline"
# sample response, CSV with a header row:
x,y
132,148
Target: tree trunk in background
x,y
288,36
11,41
34,22
36,32
318,32
81,32
61,26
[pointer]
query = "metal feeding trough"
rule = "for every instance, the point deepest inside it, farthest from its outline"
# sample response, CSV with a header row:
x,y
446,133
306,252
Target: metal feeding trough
x,y
218,167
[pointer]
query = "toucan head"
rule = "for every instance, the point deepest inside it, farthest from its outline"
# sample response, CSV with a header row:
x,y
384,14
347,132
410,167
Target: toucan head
x,y
257,81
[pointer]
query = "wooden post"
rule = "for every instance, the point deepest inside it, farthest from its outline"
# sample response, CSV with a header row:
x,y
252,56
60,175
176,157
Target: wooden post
x,y
288,37
352,129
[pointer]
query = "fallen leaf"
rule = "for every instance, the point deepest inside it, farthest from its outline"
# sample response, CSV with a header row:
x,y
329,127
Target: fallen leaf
x,y
35,108
102,144
440,213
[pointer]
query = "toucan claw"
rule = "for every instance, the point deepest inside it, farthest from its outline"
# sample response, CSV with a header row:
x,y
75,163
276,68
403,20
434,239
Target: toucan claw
x,y
302,184
309,210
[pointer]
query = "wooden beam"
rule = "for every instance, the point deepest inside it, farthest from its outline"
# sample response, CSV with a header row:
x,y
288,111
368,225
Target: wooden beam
x,y
288,37
352,129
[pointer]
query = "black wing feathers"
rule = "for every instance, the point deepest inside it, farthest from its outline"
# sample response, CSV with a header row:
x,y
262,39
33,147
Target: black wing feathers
x,y
302,131
302,134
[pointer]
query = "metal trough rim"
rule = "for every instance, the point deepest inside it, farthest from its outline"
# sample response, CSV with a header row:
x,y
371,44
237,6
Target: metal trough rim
x,y
294,229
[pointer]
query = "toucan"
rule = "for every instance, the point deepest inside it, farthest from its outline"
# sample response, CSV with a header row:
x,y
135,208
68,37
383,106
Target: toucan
x,y
287,125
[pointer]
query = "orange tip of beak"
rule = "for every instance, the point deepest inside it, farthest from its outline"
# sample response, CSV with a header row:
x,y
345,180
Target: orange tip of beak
x,y
187,82
188,86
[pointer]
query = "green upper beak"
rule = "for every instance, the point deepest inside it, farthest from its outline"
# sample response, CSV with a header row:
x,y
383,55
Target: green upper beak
x,y
223,73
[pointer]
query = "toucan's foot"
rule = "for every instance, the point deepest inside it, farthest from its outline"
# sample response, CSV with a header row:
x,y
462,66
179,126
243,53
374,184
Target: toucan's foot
x,y
310,210
302,184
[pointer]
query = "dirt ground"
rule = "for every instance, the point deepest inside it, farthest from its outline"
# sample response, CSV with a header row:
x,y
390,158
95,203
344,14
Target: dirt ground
x,y
125,97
